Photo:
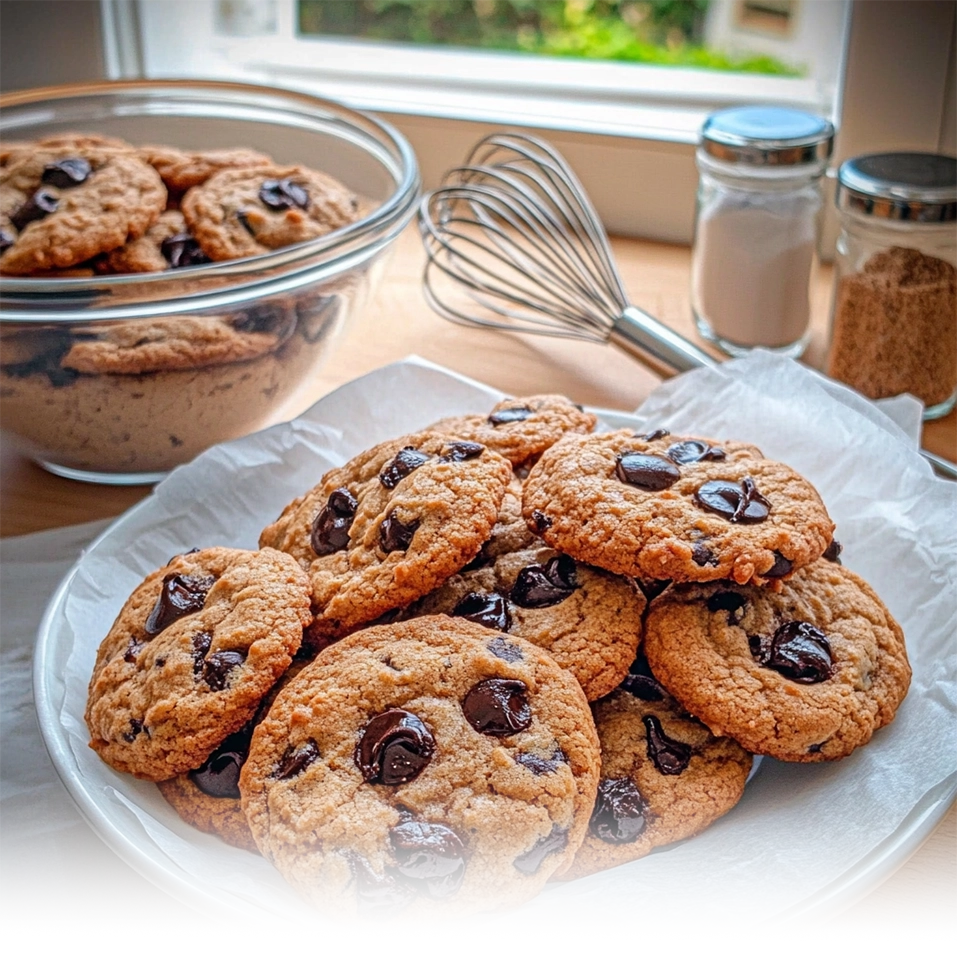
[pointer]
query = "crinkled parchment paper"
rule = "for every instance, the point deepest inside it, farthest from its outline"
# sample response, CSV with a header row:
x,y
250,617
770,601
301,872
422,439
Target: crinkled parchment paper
x,y
803,836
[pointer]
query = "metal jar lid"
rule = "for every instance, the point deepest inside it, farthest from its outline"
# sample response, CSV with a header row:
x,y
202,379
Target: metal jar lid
x,y
920,187
767,136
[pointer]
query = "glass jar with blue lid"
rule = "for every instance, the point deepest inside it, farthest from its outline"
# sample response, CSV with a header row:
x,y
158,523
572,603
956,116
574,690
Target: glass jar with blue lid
x,y
757,226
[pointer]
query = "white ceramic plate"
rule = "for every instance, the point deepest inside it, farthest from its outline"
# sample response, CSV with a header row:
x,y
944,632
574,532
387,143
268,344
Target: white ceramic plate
x,y
804,836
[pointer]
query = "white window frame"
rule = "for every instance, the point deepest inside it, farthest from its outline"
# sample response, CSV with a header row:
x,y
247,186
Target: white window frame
x,y
629,131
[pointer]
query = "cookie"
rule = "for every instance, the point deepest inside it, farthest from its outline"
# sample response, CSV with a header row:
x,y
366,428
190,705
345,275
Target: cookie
x,y
807,673
180,169
664,776
167,244
246,212
659,506
587,619
521,429
390,525
421,762
191,655
65,205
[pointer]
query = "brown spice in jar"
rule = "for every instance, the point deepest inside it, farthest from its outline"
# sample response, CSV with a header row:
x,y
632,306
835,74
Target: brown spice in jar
x,y
895,327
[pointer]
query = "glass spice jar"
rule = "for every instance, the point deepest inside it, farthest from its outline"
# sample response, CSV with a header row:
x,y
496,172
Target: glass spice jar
x,y
894,310
757,227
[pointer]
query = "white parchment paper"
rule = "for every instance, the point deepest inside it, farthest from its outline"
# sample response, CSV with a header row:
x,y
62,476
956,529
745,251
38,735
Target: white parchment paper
x,y
803,837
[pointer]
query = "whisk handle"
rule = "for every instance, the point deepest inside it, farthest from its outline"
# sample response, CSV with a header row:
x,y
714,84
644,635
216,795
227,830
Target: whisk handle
x,y
649,340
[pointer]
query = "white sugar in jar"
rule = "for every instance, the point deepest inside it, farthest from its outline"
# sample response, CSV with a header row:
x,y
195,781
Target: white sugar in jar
x,y
757,227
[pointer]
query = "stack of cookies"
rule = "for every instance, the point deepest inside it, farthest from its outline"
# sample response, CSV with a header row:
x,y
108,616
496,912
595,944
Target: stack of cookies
x,y
501,650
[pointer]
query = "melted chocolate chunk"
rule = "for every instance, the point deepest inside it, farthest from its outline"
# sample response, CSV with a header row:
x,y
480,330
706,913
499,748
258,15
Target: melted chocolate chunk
x,y
295,760
641,683
620,811
376,893
201,644
182,250
7,239
650,473
669,756
694,450
394,536
330,528
181,595
498,707
653,436
833,552
540,586
132,650
541,521
49,347
782,566
735,501
405,463
731,602
38,206
66,173
280,194
136,726
517,413
538,764
462,451
218,775
505,650
394,748
553,843
797,650
431,857
218,666
489,610
701,555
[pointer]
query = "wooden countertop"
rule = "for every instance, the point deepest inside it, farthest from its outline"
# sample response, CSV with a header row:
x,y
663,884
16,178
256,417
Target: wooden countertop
x,y
398,322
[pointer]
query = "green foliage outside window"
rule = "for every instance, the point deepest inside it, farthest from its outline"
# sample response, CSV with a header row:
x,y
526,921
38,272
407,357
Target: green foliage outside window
x,y
661,32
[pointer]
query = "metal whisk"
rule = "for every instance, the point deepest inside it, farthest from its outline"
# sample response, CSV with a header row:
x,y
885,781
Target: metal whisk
x,y
525,251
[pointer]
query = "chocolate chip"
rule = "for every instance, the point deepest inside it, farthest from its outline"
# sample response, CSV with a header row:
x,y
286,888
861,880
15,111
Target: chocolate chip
x,y
694,450
669,756
267,318
280,194
833,552
243,218
182,250
797,650
132,650
295,760
462,451
552,843
620,811
729,601
539,764
39,205
815,748
505,650
394,536
66,173
219,665
49,347
641,683
701,555
330,528
498,707
516,413
541,521
202,642
539,586
375,892
650,473
218,775
429,856
180,595
735,501
136,726
394,748
405,462
489,610
7,239
652,436
651,588
782,566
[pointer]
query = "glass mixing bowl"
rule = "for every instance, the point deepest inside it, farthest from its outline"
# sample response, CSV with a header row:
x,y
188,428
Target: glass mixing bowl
x,y
113,378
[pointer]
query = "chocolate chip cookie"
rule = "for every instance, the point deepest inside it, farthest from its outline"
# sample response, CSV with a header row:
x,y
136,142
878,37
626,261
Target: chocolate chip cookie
x,y
658,506
664,776
390,525
807,673
180,169
191,655
167,244
421,762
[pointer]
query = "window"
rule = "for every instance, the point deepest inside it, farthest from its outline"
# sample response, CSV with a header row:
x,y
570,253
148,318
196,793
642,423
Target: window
x,y
627,129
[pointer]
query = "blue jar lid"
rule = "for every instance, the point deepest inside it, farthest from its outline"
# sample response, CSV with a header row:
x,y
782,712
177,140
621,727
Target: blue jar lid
x,y
767,136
